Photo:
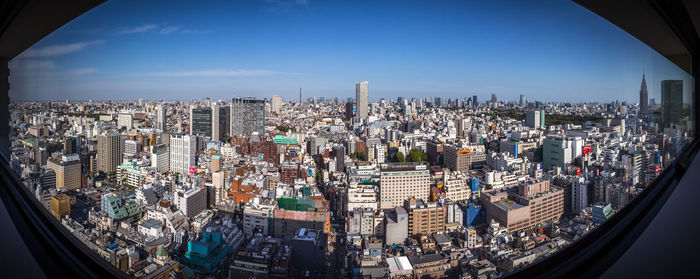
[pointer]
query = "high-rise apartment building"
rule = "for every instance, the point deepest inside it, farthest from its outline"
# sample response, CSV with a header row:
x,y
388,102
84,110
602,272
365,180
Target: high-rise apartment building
x,y
160,158
109,153
672,102
425,218
401,181
125,120
247,116
643,97
67,170
276,104
339,154
361,95
160,119
455,186
462,125
579,194
132,147
182,152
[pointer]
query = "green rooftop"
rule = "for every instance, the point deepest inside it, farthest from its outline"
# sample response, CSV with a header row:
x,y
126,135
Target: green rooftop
x,y
303,204
282,140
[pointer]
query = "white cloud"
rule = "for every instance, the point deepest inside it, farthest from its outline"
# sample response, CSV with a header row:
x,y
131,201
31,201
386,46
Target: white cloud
x,y
214,73
195,31
28,65
80,72
28,68
56,50
137,29
168,30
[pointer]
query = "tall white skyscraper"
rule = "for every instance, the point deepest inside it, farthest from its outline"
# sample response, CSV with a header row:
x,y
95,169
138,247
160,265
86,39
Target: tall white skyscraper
x,y
160,117
276,104
182,152
215,127
361,94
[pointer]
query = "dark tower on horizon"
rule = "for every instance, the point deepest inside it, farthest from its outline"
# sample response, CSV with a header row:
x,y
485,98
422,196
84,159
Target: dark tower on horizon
x,y
643,97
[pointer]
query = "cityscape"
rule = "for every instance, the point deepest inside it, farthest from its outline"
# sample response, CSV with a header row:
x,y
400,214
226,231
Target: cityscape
x,y
339,139
329,188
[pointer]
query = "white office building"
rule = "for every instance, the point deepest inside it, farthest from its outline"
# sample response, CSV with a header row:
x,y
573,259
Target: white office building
x,y
182,153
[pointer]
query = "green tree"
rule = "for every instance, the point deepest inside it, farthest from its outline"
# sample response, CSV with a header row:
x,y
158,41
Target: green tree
x,y
398,157
416,155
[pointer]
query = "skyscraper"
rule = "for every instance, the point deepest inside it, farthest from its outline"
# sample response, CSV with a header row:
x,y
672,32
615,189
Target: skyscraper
x,y
215,119
361,95
247,116
339,153
219,121
672,102
276,104
643,97
160,118
200,121
224,122
534,118
108,152
522,100
493,98
182,152
474,100
349,111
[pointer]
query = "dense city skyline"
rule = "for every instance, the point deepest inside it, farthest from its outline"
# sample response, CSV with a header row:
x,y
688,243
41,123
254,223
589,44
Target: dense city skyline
x,y
124,51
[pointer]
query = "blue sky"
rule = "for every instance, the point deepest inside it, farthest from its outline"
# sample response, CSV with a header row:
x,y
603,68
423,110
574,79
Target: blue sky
x,y
548,50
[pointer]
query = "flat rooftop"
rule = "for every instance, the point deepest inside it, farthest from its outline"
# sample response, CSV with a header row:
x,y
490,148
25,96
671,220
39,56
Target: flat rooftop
x,y
508,204
413,166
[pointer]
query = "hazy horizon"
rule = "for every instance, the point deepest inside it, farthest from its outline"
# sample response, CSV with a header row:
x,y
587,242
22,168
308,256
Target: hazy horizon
x,y
547,51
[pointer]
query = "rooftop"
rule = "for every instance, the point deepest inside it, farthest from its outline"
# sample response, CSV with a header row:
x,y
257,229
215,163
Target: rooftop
x,y
409,166
508,204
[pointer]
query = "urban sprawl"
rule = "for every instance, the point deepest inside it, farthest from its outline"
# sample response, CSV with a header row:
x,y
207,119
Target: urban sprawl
x,y
333,188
